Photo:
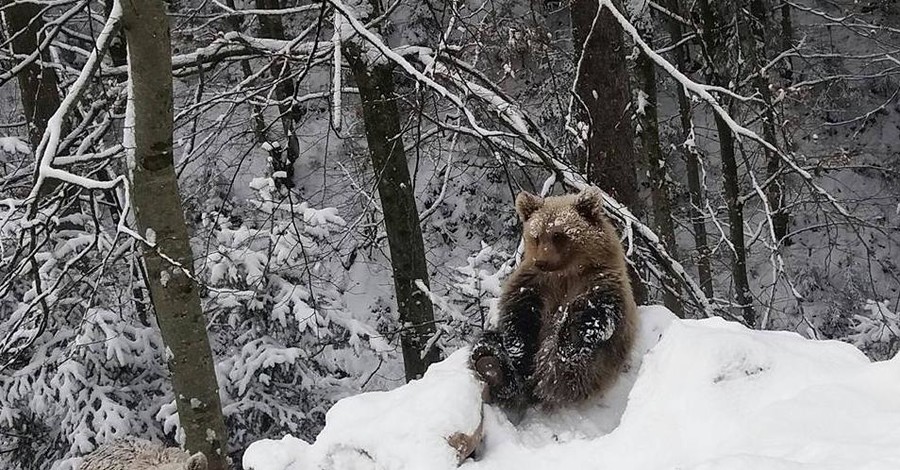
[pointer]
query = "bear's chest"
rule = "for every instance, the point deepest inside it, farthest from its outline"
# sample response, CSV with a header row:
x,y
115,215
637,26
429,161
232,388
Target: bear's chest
x,y
557,292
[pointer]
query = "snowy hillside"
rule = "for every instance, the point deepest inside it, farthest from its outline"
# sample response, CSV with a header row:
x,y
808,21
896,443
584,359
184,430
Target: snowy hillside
x,y
699,394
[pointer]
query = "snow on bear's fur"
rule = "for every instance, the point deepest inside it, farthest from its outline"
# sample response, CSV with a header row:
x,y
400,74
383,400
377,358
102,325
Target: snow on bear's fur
x,y
567,314
139,454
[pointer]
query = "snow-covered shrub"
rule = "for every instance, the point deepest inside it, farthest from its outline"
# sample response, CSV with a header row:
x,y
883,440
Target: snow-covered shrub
x,y
286,342
471,298
876,330
82,359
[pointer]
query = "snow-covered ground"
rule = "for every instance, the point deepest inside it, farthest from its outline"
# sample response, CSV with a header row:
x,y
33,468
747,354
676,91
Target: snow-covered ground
x,y
698,394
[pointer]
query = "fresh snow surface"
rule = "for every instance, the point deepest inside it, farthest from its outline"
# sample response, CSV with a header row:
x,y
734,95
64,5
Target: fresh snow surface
x,y
710,394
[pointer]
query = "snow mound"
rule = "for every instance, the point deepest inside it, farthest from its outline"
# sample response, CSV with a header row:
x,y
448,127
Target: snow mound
x,y
710,394
407,427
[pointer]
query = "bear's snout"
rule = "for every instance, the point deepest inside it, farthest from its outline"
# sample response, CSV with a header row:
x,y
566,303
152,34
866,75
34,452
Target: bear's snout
x,y
547,265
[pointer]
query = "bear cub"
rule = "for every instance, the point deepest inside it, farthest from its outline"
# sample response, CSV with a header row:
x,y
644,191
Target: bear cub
x,y
567,313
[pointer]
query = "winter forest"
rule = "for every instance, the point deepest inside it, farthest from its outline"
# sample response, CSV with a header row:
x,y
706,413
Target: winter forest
x,y
221,217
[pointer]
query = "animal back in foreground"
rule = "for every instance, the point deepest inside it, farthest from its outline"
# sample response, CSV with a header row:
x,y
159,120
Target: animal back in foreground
x,y
140,454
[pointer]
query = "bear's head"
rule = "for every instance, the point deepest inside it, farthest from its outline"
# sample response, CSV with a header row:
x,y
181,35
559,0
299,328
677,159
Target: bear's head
x,y
568,233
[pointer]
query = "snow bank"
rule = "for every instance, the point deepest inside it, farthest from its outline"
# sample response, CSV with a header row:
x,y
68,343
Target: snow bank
x,y
710,395
406,428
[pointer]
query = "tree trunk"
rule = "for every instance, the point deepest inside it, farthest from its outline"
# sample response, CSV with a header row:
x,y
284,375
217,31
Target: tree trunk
x,y
159,213
118,50
602,97
759,28
691,158
38,85
271,27
401,217
735,220
656,170
256,112
787,38
715,50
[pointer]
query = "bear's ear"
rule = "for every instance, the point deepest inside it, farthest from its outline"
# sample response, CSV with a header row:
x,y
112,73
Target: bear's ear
x,y
526,204
589,204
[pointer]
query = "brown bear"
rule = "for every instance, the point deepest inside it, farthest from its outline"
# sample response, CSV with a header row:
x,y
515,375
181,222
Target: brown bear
x,y
567,313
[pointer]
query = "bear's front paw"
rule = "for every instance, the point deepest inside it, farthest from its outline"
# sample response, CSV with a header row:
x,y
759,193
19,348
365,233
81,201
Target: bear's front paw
x,y
489,370
587,327
491,364
487,359
570,341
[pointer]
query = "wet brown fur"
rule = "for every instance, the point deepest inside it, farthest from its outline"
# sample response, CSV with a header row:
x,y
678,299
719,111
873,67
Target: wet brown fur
x,y
572,250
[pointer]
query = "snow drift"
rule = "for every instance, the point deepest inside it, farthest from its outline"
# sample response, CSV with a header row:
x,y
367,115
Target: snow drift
x,y
698,394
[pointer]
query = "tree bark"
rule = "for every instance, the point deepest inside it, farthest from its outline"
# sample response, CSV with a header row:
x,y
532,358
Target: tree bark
x,y
401,217
787,38
37,84
656,171
158,211
256,112
716,60
759,27
691,158
602,100
602,96
271,27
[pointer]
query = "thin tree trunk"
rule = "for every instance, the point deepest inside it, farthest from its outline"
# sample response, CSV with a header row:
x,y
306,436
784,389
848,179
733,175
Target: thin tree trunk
x,y
271,27
692,159
38,85
118,50
159,213
656,170
714,46
736,221
602,99
258,120
759,27
787,41
401,217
